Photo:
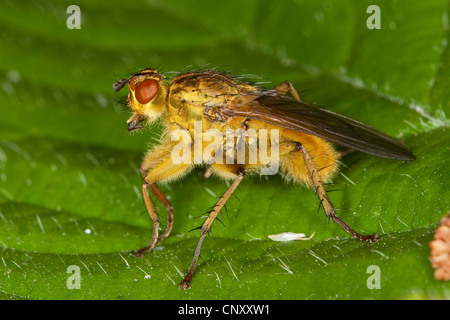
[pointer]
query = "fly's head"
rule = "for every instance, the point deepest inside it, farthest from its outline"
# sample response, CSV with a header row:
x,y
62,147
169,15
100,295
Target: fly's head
x,y
147,96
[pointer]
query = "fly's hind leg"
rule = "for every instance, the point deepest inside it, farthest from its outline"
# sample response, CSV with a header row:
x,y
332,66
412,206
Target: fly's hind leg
x,y
327,205
286,87
330,211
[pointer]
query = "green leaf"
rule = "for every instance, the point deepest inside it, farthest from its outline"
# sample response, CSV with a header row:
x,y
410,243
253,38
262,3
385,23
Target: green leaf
x,y
69,170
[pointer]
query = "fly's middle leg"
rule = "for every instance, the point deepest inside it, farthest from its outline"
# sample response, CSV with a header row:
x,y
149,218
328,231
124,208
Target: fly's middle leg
x,y
286,87
206,227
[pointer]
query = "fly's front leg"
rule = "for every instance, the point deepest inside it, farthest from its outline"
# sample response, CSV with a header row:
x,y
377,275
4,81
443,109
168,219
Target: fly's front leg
x,y
206,227
156,237
154,216
161,197
156,167
327,205
169,209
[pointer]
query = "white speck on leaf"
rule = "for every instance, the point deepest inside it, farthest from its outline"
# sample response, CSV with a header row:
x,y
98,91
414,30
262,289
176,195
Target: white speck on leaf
x,y
289,236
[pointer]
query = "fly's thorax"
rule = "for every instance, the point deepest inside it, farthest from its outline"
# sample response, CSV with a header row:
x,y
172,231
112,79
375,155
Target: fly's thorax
x,y
207,89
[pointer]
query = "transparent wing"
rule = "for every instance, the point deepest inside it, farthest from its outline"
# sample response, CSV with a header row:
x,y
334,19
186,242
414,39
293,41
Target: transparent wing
x,y
287,112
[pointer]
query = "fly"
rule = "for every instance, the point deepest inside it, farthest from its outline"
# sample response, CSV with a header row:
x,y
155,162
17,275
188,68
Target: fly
x,y
196,102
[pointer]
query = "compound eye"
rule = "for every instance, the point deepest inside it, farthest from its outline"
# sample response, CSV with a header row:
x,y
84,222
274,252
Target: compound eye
x,y
146,91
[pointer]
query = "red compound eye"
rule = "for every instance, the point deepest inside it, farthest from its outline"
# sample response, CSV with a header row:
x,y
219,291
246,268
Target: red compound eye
x,y
146,91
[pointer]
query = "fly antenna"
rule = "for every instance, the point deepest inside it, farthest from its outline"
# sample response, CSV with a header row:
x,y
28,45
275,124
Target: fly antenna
x,y
120,84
